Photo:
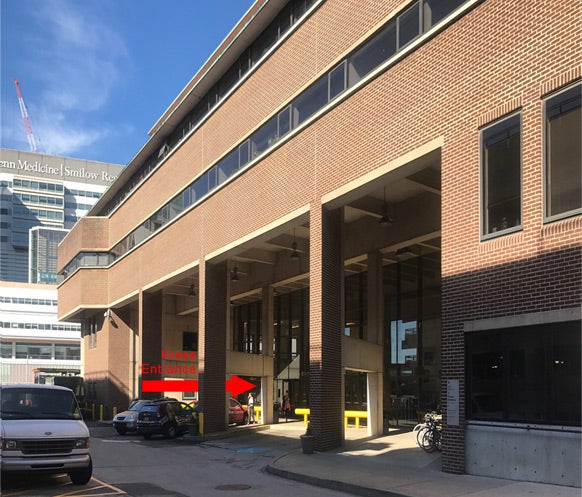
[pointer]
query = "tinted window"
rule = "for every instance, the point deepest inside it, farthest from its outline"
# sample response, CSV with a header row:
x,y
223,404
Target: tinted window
x,y
38,403
528,374
501,159
564,153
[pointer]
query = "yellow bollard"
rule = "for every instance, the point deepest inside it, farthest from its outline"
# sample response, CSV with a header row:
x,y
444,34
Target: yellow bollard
x,y
114,411
201,423
100,412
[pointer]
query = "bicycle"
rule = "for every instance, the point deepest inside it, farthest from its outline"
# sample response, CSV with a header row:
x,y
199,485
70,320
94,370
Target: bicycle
x,y
429,433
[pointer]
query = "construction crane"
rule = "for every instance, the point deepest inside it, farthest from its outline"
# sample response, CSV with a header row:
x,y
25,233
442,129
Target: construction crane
x,y
25,118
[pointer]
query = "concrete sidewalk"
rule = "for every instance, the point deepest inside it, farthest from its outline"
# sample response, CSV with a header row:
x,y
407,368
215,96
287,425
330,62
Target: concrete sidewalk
x,y
394,466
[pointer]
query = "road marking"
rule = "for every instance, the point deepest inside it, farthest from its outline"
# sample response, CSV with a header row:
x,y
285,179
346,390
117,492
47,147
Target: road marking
x,y
121,492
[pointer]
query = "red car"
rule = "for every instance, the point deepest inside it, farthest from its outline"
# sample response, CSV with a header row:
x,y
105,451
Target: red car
x,y
237,414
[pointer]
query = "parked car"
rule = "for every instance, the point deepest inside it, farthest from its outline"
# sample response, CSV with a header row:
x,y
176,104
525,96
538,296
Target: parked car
x,y
237,413
167,417
126,421
42,431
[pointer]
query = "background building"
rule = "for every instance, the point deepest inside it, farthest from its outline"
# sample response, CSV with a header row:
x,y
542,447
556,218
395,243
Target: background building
x,y
374,205
42,197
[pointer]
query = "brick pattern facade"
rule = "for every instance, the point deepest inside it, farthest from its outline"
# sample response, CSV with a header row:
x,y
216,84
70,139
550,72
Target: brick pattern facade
x,y
478,69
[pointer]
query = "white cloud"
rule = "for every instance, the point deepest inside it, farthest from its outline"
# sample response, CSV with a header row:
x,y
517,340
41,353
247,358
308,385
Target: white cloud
x,y
78,60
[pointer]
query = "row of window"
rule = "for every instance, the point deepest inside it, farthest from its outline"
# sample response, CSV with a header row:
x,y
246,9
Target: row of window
x,y
88,259
84,193
27,212
501,158
53,351
287,18
28,198
415,20
27,301
78,206
40,186
40,326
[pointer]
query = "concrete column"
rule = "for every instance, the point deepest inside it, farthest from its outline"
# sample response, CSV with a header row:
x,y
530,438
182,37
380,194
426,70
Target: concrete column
x,y
375,404
213,316
375,335
268,334
325,334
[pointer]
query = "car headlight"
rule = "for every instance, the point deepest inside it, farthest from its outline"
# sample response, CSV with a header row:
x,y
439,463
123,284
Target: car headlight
x,y
9,445
82,443
131,417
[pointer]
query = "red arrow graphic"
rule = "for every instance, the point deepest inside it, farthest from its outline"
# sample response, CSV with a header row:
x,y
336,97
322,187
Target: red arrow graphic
x,y
235,386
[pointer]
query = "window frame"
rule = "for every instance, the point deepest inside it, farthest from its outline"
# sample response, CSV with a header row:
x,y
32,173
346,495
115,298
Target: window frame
x,y
504,344
483,196
548,218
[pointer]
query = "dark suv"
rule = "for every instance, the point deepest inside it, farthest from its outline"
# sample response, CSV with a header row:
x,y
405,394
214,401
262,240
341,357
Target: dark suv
x,y
167,417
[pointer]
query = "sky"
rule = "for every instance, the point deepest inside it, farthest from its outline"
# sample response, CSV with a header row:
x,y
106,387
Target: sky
x,y
96,75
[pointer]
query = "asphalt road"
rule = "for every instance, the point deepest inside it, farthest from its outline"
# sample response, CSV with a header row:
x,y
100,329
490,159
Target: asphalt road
x,y
184,467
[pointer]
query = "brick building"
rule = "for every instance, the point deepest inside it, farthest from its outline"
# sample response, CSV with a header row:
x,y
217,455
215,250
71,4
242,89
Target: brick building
x,y
372,205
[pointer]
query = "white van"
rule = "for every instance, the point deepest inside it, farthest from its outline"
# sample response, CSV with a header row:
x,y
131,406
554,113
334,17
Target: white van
x,y
43,432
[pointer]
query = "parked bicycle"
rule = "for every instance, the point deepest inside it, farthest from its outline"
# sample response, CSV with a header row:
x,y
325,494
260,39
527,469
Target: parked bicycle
x,y
430,433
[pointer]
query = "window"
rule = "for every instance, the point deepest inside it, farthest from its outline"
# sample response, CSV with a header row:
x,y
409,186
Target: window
x,y
563,154
527,374
190,341
264,137
247,328
6,350
227,166
356,305
337,80
501,175
33,351
375,51
310,101
408,25
284,121
436,10
67,352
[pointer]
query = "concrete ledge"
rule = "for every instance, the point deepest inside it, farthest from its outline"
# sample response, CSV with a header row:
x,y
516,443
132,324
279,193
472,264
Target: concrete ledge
x,y
340,486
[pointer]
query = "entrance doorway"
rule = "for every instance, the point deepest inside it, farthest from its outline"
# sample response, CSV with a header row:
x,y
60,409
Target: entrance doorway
x,y
412,337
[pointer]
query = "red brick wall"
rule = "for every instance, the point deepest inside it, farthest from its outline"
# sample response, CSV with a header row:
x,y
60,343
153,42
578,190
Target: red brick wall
x,y
499,57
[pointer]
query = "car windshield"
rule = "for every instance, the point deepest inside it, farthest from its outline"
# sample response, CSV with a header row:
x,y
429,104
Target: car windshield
x,y
136,407
38,403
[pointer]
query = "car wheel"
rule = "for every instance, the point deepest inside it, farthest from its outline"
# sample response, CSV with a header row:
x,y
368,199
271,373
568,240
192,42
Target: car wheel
x,y
170,431
82,476
245,420
121,430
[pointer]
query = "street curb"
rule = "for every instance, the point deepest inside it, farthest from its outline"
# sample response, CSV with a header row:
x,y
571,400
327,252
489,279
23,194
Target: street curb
x,y
340,486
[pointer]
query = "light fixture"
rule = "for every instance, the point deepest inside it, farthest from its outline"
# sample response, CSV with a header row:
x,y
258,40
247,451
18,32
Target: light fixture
x,y
109,315
234,274
404,251
294,254
385,219
192,291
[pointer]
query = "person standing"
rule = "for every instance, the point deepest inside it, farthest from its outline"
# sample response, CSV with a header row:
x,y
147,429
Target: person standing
x,y
251,407
286,405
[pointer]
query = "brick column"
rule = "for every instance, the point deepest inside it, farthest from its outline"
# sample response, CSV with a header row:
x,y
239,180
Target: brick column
x,y
325,334
212,345
151,336
453,353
